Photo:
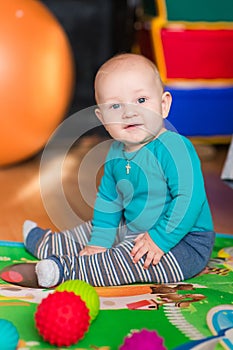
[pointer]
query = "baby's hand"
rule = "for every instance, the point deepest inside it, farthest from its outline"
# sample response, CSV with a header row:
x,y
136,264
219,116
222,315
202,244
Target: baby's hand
x,y
145,245
91,249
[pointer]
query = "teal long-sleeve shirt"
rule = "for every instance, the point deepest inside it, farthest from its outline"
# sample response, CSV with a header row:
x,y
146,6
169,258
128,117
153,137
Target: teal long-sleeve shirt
x,y
163,194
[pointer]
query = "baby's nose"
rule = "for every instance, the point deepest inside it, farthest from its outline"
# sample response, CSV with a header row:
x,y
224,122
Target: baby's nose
x,y
130,111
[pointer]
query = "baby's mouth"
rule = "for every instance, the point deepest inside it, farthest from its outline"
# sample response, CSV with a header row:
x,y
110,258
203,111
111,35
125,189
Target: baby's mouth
x,y
132,126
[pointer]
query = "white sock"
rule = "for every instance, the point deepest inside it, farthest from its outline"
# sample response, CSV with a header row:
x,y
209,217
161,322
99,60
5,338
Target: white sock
x,y
27,227
48,273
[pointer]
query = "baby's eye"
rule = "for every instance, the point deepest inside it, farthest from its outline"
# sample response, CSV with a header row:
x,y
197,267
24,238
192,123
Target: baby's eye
x,y
142,100
116,106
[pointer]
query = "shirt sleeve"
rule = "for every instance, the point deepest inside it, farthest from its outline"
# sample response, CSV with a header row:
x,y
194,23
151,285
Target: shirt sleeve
x,y
108,208
181,167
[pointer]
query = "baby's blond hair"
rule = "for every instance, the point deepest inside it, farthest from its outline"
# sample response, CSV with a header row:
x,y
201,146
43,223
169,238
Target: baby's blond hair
x,y
124,59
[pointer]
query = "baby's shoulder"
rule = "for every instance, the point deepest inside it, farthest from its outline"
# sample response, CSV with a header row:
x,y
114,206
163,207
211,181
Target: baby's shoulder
x,y
171,144
170,139
115,150
116,147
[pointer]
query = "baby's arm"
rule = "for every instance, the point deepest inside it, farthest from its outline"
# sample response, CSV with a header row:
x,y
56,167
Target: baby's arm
x,y
108,208
182,171
145,245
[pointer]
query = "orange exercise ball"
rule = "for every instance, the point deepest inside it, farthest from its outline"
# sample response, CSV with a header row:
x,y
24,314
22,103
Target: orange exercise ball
x,y
36,78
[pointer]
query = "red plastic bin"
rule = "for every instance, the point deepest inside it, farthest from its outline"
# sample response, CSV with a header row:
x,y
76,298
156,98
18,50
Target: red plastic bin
x,y
197,54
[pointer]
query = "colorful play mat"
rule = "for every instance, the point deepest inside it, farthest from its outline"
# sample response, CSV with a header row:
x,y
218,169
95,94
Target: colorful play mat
x,y
196,314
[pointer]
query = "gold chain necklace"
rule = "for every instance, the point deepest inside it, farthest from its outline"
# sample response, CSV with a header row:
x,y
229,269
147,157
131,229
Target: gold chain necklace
x,y
128,160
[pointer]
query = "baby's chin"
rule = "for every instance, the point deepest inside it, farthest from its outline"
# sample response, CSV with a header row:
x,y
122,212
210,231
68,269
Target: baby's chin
x,y
134,145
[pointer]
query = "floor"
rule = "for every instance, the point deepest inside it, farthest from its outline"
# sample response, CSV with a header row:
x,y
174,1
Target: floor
x,y
59,193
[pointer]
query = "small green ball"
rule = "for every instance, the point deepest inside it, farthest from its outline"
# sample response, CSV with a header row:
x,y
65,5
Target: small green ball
x,y
86,292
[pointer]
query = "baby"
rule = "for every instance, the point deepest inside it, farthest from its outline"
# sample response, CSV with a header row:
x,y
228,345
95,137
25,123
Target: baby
x,y
151,221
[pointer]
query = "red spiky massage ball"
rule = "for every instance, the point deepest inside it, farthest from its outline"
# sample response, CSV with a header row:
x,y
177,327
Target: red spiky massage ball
x,y
62,318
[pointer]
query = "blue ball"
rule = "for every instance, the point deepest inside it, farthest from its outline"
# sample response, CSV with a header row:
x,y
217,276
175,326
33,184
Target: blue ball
x,y
9,336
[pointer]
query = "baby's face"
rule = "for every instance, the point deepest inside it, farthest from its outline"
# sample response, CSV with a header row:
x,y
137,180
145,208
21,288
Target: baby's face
x,y
131,104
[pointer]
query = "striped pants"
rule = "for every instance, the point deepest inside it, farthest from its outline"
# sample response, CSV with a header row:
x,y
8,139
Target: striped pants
x,y
110,268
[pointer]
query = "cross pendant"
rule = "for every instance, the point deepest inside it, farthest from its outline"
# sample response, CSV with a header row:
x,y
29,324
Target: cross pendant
x,y
128,167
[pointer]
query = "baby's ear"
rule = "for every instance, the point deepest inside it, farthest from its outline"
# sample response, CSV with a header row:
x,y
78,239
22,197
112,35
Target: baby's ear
x,y
166,103
99,114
